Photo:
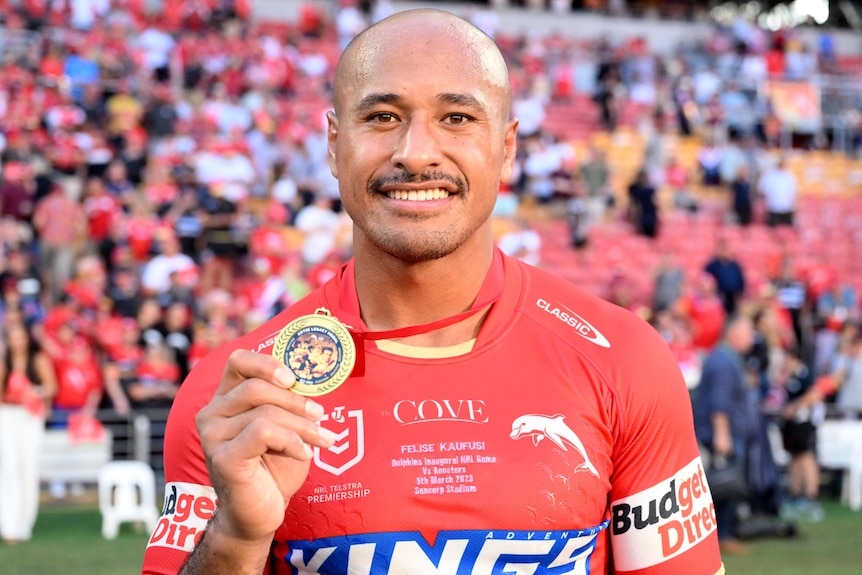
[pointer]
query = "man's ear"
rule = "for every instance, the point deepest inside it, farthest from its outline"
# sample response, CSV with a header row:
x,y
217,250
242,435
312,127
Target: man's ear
x,y
510,141
331,137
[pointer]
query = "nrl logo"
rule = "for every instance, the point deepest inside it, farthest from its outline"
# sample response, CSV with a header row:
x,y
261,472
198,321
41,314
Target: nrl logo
x,y
349,446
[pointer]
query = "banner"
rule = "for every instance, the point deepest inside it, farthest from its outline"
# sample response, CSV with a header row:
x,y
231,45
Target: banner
x,y
796,104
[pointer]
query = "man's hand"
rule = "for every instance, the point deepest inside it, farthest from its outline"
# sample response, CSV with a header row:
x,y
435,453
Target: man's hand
x,y
257,436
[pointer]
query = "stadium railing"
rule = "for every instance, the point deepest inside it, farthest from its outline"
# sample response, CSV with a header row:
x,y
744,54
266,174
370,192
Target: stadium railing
x,y
138,435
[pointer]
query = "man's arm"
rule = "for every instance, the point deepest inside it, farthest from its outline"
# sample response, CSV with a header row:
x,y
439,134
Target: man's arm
x,y
218,553
257,438
657,466
722,442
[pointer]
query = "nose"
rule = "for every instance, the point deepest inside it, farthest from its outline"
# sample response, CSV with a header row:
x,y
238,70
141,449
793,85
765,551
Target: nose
x,y
418,147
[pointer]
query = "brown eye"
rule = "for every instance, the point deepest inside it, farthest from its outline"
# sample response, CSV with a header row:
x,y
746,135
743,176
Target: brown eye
x,y
457,119
383,118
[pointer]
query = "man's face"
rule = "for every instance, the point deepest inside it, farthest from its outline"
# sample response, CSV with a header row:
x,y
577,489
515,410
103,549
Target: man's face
x,y
420,141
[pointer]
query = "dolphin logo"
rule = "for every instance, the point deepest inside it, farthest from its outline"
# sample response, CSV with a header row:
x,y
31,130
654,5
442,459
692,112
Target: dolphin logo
x,y
555,429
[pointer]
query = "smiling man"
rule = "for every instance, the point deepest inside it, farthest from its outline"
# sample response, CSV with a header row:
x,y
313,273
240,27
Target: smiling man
x,y
480,415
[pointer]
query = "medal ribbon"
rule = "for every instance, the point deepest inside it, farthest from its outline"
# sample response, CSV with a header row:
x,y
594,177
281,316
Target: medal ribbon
x,y
490,292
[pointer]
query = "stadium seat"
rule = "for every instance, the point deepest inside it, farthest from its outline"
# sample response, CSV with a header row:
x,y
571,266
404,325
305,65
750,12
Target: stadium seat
x,y
127,493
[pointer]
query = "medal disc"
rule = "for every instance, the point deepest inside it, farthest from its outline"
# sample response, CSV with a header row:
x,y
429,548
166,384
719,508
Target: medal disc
x,y
319,351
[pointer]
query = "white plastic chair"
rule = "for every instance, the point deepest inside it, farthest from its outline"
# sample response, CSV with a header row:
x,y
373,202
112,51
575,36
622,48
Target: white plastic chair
x,y
839,446
127,493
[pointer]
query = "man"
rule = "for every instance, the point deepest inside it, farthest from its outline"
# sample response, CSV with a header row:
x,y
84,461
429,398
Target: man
x,y
800,417
156,274
429,457
728,274
779,188
595,175
721,413
60,224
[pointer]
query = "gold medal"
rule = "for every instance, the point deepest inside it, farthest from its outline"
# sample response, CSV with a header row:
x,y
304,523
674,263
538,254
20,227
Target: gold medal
x,y
319,351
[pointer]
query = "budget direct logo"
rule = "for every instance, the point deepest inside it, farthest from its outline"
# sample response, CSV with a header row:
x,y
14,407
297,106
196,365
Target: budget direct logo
x,y
187,510
581,326
663,521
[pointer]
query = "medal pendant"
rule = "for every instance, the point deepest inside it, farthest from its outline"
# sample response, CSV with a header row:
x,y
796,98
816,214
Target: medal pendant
x,y
319,351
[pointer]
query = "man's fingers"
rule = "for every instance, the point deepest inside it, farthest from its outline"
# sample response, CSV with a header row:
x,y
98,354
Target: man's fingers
x,y
215,430
255,440
243,364
254,392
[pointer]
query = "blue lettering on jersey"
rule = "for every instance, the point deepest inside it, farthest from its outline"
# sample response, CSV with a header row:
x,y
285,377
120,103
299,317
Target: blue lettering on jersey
x,y
453,553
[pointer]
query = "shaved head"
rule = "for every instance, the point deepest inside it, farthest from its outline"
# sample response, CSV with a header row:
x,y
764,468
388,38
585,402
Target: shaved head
x,y
430,29
421,137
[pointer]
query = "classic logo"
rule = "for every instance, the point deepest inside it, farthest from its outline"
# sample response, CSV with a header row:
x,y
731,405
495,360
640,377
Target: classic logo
x,y
581,326
539,427
266,342
349,446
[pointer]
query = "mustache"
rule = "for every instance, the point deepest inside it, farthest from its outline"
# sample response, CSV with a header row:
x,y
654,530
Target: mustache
x,y
405,177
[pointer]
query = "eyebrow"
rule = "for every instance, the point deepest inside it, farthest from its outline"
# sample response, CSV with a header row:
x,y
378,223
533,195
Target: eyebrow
x,y
370,101
464,100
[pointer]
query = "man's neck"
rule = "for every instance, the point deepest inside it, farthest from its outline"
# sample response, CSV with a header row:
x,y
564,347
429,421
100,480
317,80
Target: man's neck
x,y
394,294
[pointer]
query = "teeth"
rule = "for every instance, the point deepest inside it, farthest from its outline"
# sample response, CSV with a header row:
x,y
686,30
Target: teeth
x,y
418,195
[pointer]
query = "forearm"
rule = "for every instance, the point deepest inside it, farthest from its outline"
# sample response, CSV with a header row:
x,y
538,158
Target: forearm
x,y
722,441
720,422
92,403
218,553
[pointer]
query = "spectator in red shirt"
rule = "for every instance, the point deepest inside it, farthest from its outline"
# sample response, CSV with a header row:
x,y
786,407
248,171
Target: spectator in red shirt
x,y
325,270
262,296
157,379
705,312
101,209
79,377
141,228
51,65
269,239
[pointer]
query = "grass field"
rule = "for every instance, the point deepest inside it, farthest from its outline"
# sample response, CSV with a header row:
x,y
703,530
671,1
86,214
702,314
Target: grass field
x,y
67,541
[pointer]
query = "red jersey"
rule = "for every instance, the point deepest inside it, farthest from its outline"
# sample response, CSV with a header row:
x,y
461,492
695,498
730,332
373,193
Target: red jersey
x,y
707,316
141,233
101,212
561,441
76,380
150,373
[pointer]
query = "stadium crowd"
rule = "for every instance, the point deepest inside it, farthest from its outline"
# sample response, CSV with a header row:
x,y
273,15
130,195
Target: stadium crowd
x,y
166,186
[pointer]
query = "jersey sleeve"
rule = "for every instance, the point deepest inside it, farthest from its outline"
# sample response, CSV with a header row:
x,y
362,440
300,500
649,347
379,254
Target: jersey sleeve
x,y
190,500
662,514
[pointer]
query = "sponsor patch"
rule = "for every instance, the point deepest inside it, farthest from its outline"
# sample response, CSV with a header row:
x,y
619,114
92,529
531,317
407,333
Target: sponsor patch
x,y
663,521
477,552
188,507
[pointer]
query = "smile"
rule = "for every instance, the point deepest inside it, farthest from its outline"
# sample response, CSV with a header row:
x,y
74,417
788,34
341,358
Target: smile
x,y
418,195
